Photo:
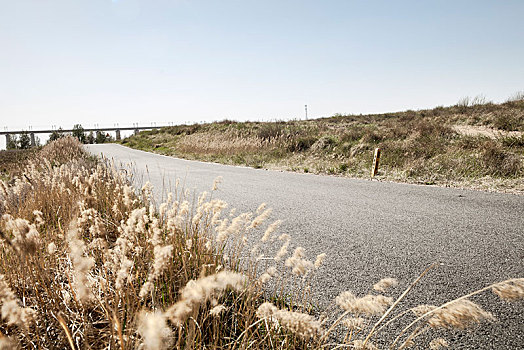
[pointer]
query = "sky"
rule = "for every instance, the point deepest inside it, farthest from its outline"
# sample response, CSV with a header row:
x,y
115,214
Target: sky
x,y
110,62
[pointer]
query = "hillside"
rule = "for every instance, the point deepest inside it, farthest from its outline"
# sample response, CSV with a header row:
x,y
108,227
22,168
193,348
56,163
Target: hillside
x,y
473,145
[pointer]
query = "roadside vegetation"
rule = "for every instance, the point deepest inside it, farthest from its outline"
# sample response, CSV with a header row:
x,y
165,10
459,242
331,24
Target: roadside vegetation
x,y
13,162
89,262
474,144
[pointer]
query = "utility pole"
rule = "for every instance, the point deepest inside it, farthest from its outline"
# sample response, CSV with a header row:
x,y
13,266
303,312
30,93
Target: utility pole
x,y
306,111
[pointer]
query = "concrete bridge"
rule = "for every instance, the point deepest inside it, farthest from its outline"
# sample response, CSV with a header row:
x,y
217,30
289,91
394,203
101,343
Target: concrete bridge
x,y
117,131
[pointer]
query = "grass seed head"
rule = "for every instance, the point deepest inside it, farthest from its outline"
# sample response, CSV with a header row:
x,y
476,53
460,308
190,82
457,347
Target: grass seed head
x,y
384,284
297,262
82,264
459,315
511,291
155,332
438,343
304,325
319,260
368,305
420,310
217,310
195,293
359,345
354,323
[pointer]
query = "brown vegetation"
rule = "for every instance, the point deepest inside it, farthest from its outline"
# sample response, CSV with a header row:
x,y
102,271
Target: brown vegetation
x,y
87,261
426,146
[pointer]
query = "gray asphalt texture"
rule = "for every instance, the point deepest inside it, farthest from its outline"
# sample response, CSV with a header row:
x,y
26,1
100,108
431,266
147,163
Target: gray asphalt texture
x,y
372,229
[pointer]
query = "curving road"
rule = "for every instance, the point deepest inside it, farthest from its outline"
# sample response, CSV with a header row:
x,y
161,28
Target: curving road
x,y
372,229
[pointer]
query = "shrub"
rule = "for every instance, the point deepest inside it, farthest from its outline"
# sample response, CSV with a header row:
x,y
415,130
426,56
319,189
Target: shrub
x,y
372,136
500,162
324,143
512,141
301,144
270,131
508,121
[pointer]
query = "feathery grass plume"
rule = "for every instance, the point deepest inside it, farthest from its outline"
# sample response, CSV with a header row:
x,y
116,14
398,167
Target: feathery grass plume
x,y
6,343
51,248
162,259
236,227
120,257
26,238
368,305
319,260
359,344
260,218
216,182
268,274
129,196
11,310
354,323
304,325
420,310
217,310
270,229
261,208
82,265
147,190
267,310
438,343
511,291
195,293
459,315
124,273
283,249
384,284
155,332
297,262
39,221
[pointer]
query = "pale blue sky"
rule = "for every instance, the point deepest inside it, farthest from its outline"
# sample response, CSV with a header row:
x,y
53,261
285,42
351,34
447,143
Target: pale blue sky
x,y
124,61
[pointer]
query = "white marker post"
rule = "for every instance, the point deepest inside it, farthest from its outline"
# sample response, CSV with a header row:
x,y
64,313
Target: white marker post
x,y
376,160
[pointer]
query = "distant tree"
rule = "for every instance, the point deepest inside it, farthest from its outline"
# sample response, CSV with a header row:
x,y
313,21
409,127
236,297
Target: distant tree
x,y
78,132
25,141
91,138
56,134
13,142
101,137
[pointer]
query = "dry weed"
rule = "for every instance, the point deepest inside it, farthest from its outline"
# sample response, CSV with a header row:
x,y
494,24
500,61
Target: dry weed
x,y
87,261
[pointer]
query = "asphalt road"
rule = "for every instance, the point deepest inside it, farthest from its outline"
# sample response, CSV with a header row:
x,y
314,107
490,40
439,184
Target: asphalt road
x,y
372,229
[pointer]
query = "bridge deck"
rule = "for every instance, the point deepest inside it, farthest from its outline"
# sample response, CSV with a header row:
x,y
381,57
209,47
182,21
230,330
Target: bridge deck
x,y
49,131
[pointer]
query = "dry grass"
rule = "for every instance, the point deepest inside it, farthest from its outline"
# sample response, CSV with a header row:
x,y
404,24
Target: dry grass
x,y
87,261
426,147
12,162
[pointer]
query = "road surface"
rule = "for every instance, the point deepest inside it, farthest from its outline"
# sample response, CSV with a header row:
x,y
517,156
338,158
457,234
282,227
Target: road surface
x,y
372,229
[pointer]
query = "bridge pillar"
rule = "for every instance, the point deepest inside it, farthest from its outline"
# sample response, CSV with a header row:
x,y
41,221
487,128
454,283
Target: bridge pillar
x,y
33,143
7,140
118,134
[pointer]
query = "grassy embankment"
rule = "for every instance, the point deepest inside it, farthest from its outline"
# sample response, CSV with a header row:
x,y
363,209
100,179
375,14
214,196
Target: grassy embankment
x,y
472,144
89,262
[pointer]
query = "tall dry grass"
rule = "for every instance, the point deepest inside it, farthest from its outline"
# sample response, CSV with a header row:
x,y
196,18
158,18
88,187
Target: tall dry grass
x,y
425,146
88,261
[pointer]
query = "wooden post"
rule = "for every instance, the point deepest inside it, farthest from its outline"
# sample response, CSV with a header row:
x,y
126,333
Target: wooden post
x,y
376,160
